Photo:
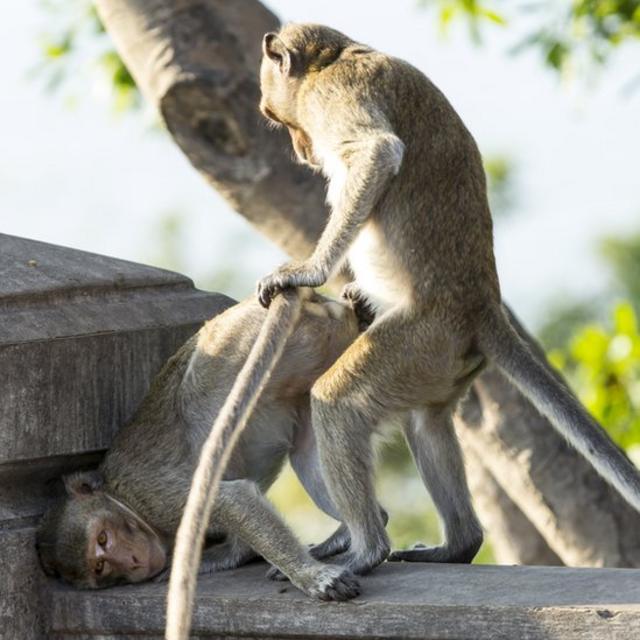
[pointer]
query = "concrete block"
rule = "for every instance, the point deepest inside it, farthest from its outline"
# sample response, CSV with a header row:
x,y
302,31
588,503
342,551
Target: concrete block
x,y
81,337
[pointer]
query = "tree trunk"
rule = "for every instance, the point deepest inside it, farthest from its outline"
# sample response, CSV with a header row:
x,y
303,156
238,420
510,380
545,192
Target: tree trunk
x,y
514,539
197,62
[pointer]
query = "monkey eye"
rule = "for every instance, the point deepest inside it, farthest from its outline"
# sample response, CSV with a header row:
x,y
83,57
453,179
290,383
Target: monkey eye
x,y
102,538
99,567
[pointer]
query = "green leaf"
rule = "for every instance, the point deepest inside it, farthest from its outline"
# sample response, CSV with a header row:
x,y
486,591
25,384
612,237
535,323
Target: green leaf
x,y
494,17
625,319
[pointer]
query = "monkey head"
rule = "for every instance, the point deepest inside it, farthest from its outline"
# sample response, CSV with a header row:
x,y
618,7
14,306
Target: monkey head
x,y
92,540
288,59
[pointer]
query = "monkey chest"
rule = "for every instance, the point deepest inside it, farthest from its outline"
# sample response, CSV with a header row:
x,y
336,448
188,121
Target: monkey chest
x,y
378,273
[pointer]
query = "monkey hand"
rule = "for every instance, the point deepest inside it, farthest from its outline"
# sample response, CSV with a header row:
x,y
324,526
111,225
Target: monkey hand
x,y
360,304
292,274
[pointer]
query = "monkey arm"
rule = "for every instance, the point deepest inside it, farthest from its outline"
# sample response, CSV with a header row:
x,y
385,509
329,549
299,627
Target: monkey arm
x,y
243,511
230,554
359,171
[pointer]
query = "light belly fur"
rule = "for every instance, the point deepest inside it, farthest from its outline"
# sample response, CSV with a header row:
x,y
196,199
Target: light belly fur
x,y
376,271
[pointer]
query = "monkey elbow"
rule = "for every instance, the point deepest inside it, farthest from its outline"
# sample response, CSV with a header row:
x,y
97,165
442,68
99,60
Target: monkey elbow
x,y
389,150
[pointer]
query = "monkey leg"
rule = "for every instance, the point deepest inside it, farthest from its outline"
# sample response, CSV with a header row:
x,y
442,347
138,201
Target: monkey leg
x,y
435,448
242,510
306,464
400,363
230,554
339,541
344,438
343,426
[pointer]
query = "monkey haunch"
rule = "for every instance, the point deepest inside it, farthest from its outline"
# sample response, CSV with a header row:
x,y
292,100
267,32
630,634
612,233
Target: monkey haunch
x,y
410,213
118,524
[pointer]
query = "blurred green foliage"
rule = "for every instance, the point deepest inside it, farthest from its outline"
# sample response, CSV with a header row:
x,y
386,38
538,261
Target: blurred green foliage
x,y
562,30
502,184
598,350
602,362
621,256
77,47
76,52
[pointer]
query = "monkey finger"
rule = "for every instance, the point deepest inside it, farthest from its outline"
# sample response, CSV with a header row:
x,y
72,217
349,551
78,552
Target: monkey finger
x,y
343,587
267,291
348,291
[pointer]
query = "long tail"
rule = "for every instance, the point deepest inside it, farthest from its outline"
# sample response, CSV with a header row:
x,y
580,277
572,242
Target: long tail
x,y
281,319
537,381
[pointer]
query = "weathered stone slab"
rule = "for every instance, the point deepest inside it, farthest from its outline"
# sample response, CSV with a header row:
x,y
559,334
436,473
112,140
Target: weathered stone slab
x,y
429,602
88,330
81,337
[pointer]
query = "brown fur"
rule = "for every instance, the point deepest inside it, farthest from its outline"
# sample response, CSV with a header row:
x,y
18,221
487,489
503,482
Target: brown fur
x,y
410,213
152,459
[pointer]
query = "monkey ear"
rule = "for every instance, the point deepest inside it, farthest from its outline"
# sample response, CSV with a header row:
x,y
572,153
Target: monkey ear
x,y
276,50
83,483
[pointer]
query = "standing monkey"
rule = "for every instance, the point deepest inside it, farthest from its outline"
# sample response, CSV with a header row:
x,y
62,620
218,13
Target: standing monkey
x,y
410,213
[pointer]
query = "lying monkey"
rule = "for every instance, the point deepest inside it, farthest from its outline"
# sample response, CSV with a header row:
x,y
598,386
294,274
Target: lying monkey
x,y
118,524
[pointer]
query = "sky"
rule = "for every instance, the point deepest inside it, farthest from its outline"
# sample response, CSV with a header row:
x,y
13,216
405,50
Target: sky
x,y
84,178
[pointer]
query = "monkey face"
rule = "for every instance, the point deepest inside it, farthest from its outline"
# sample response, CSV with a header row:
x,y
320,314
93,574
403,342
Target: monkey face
x,y
121,550
279,84
91,540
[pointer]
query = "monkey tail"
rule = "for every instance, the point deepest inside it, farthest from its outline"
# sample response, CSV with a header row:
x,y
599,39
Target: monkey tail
x,y
525,365
280,321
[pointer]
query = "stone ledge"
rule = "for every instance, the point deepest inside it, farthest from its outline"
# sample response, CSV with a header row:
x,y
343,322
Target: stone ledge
x,y
81,337
430,602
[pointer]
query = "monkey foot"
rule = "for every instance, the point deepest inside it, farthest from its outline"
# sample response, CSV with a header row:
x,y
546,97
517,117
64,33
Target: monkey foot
x,y
330,547
336,544
441,554
334,583
362,563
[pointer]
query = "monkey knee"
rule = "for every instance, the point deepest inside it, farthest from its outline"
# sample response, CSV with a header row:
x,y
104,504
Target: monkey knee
x,y
337,391
243,488
327,390
236,493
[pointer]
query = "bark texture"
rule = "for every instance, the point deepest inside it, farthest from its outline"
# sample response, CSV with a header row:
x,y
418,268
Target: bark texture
x,y
197,62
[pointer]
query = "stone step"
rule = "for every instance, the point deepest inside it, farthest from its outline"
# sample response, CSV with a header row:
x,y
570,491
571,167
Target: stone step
x,y
399,601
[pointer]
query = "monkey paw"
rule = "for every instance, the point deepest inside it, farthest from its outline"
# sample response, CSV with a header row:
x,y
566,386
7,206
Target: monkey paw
x,y
292,274
362,563
440,554
330,547
334,583
360,304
